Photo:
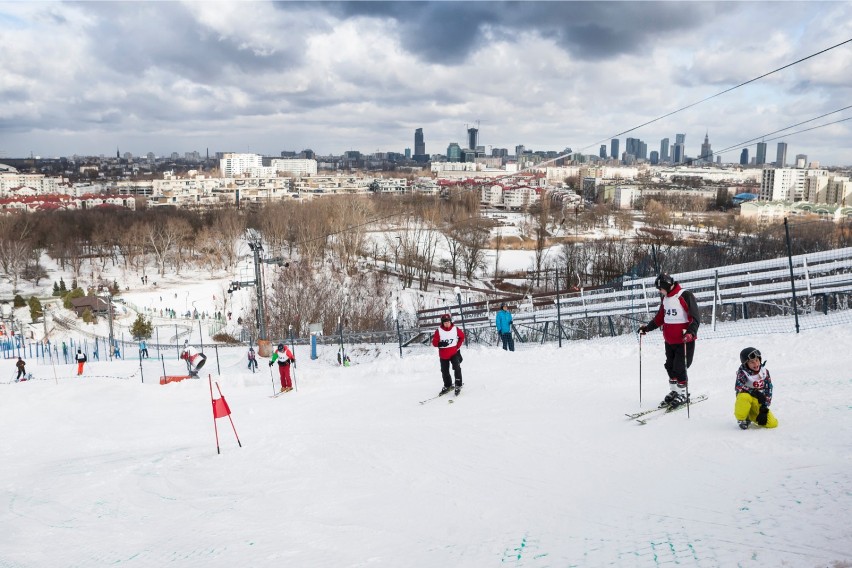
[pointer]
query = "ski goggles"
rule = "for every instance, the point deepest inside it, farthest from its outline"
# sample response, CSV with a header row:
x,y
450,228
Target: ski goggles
x,y
754,355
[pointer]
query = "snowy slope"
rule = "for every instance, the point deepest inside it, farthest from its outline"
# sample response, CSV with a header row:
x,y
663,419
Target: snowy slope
x,y
534,465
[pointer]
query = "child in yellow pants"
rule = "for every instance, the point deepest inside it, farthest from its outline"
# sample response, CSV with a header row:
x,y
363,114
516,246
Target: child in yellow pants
x,y
754,391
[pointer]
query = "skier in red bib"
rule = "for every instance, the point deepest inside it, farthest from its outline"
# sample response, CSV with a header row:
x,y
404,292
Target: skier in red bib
x,y
449,339
679,317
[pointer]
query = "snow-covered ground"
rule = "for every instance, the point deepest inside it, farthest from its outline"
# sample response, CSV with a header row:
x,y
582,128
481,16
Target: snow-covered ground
x,y
533,465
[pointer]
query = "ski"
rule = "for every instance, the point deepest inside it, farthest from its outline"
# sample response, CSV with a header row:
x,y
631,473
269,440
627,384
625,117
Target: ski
x,y
648,415
433,398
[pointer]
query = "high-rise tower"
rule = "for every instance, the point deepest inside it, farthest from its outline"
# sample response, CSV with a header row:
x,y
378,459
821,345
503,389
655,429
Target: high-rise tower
x,y
613,148
760,158
419,146
781,155
472,138
664,150
706,150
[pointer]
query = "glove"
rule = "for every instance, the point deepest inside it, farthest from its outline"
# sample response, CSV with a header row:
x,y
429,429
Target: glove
x,y
758,394
643,329
688,338
762,415
270,363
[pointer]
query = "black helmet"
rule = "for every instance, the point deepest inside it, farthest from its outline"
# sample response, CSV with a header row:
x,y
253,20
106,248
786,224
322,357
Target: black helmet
x,y
664,282
280,346
749,353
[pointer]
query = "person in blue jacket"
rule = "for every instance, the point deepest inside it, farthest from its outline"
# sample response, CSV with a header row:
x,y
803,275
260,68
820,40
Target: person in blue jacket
x,y
503,321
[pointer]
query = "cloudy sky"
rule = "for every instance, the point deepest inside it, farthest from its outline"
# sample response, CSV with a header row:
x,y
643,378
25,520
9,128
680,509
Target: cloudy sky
x,y
162,77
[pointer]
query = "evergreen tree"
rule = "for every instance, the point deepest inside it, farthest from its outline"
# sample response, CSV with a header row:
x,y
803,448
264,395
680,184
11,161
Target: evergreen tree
x,y
56,291
35,308
142,328
19,301
62,285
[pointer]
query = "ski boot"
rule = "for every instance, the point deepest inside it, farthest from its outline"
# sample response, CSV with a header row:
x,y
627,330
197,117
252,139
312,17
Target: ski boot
x,y
458,389
445,390
744,424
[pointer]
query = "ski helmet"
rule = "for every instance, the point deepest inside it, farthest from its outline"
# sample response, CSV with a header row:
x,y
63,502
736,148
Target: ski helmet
x,y
281,347
446,317
664,282
748,354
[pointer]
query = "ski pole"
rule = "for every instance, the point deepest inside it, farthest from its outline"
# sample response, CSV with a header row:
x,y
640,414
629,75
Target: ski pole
x,y
640,370
293,364
686,376
271,378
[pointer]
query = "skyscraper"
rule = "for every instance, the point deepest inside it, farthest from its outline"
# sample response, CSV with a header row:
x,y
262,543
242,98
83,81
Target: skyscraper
x,y
664,150
706,150
603,151
419,146
744,157
781,155
679,149
472,138
613,148
760,158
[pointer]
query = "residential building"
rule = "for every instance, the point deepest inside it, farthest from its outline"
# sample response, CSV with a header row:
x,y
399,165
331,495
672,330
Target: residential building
x,y
233,165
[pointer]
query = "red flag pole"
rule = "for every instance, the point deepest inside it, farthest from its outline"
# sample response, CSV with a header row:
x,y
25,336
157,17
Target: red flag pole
x,y
229,416
215,428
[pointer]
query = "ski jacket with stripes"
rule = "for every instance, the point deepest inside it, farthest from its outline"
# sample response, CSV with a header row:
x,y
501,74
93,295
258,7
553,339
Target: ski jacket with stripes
x,y
678,313
448,341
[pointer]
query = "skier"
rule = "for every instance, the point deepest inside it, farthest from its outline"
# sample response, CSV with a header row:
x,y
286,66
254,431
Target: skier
x,y
143,349
81,358
252,360
503,322
284,357
679,317
22,371
449,339
194,361
754,391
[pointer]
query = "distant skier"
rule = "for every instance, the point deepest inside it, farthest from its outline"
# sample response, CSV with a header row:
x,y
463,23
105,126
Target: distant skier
x,y
503,322
754,391
194,361
22,369
143,349
679,317
284,357
81,359
252,360
449,339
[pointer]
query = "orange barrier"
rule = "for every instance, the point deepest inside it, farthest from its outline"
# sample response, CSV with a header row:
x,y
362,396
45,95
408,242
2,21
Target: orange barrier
x,y
173,379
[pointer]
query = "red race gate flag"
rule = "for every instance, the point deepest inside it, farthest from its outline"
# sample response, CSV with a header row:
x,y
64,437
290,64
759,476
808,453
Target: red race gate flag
x,y
221,410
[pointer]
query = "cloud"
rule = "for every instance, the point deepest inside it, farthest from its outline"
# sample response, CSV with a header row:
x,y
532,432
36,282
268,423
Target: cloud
x,y
364,75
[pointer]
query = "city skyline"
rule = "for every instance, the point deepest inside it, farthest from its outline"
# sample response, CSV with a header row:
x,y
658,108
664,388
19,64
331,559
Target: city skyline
x,y
264,77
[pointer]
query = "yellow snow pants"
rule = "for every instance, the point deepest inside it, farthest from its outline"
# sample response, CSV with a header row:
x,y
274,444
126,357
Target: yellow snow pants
x,y
747,406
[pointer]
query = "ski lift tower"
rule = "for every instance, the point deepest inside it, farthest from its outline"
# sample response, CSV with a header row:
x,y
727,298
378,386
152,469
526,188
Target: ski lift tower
x,y
256,246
